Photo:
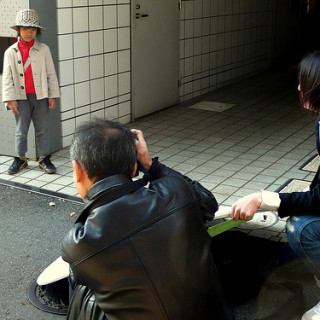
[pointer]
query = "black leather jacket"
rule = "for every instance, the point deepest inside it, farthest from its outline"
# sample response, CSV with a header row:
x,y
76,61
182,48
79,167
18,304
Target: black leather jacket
x,y
145,255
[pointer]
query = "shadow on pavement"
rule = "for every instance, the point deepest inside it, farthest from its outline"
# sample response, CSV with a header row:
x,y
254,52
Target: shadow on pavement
x,y
262,279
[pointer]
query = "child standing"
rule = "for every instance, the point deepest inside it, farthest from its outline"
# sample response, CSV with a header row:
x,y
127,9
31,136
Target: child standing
x,y
29,88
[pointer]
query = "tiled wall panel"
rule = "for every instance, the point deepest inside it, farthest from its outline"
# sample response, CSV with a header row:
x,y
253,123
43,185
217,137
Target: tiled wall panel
x,y
94,61
8,11
223,41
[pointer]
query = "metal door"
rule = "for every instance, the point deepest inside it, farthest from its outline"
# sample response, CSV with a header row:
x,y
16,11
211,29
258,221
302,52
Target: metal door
x,y
155,55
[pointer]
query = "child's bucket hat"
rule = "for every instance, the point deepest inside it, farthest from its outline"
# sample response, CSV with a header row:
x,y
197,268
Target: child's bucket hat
x,y
27,18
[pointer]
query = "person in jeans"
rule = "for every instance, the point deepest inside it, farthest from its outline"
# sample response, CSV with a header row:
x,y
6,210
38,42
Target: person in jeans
x,y
29,89
139,250
303,208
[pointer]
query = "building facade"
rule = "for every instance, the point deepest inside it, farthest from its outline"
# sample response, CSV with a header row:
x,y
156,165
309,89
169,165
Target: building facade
x,y
93,42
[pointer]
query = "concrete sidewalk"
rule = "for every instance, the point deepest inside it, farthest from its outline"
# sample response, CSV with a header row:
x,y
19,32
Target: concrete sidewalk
x,y
234,141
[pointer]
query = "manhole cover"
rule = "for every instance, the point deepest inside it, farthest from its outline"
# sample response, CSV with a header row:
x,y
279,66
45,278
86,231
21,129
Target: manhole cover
x,y
312,165
212,106
53,298
295,185
261,220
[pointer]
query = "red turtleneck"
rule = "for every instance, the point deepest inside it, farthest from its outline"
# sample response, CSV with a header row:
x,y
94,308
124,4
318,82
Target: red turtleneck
x,y
24,48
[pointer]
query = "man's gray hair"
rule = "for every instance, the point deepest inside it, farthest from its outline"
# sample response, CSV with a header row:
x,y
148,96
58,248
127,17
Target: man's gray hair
x,y
104,148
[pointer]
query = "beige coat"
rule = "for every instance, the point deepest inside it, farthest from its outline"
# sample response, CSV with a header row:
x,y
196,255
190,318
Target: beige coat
x,y
43,71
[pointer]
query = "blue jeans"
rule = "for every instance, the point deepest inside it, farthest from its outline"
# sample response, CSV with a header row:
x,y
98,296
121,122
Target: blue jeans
x,y
38,112
303,234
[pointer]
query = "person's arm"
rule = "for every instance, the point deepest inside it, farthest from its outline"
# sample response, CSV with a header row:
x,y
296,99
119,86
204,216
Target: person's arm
x,y
142,150
13,106
52,103
53,86
71,248
287,204
300,203
84,303
246,207
8,88
156,170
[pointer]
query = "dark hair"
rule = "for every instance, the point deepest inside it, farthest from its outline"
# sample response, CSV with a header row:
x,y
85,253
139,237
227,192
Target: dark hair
x,y
104,148
309,80
39,31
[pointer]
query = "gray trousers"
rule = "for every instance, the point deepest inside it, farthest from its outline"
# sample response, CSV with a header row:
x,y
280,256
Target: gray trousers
x,y
38,112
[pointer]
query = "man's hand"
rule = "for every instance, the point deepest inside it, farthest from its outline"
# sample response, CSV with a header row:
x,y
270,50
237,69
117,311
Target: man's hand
x,y
142,150
13,105
52,103
246,207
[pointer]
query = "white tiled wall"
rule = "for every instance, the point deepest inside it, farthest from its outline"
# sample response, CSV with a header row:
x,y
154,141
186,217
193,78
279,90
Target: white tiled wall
x,y
222,41
8,12
94,61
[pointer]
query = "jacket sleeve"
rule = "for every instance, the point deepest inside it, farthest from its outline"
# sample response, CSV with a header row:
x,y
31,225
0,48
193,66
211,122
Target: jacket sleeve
x,y
71,249
300,203
53,86
207,201
8,89
83,303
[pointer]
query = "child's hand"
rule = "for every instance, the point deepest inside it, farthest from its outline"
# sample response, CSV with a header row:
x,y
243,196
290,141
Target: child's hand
x,y
52,103
13,105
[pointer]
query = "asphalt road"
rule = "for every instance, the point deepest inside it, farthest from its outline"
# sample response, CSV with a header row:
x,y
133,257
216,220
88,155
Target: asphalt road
x,y
31,232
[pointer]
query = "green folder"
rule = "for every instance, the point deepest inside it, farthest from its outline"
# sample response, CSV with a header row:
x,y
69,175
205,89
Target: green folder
x,y
224,226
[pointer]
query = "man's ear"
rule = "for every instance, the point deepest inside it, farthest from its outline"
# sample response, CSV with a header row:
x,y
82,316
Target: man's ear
x,y
134,170
80,178
78,170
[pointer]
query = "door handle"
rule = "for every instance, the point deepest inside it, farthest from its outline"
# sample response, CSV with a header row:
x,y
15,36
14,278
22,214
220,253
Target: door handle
x,y
141,15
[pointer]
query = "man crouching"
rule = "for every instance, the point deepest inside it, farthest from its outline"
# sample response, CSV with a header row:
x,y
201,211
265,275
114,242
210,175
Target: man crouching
x,y
137,252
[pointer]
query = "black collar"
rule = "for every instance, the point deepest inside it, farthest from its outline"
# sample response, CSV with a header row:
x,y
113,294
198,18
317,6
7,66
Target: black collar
x,y
106,184
109,189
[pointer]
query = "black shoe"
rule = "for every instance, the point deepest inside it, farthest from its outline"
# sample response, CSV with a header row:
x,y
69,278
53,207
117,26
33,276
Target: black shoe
x,y
47,165
17,165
